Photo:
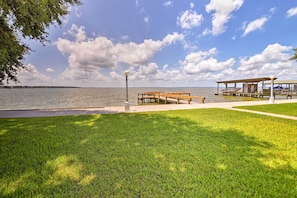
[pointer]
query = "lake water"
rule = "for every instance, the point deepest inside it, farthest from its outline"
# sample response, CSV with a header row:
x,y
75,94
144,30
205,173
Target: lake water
x,y
48,98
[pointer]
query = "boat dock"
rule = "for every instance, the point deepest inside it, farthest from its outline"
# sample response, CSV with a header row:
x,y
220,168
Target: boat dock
x,y
167,97
250,87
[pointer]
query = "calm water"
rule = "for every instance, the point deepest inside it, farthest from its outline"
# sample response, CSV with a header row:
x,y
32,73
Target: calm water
x,y
47,98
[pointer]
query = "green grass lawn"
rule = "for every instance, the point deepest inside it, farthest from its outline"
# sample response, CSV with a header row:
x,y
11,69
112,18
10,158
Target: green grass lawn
x,y
191,153
285,109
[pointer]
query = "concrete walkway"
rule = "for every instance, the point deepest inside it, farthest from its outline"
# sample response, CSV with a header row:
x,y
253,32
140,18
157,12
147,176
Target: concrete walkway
x,y
141,108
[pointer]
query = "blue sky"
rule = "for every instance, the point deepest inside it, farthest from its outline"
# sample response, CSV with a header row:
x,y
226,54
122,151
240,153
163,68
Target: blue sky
x,y
166,43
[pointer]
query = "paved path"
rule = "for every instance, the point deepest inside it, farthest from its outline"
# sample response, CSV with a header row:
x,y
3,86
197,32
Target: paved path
x,y
265,113
140,108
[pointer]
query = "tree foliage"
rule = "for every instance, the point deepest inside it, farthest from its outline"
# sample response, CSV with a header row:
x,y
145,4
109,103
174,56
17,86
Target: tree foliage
x,y
294,57
21,19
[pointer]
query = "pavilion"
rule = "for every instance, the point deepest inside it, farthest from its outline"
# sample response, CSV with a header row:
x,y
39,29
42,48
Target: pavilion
x,y
250,87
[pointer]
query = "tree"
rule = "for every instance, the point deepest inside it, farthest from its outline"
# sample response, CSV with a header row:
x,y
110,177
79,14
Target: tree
x,y
295,55
20,19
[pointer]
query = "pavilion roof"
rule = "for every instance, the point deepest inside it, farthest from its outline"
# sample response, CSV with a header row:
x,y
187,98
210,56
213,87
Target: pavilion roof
x,y
247,80
285,82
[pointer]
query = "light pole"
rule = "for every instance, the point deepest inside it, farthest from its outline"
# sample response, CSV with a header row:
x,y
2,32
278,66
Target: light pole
x,y
127,106
271,99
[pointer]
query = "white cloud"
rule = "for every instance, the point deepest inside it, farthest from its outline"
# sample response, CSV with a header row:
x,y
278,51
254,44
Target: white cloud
x,y
172,38
189,19
254,25
83,77
78,14
203,62
222,13
50,70
145,74
272,10
192,5
78,32
151,69
146,19
32,77
139,54
165,67
272,60
292,12
201,66
206,32
142,11
168,4
125,37
272,53
114,75
88,57
94,53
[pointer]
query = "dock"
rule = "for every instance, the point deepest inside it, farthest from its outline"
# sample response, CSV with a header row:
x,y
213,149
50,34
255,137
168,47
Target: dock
x,y
168,97
250,87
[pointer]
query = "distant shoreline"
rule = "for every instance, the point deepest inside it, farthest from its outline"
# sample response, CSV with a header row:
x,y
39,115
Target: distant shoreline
x,y
21,87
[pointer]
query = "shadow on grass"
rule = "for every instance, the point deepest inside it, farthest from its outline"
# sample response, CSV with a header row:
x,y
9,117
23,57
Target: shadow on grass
x,y
135,155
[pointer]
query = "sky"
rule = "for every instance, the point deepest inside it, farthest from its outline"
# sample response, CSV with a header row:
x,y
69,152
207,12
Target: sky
x,y
178,43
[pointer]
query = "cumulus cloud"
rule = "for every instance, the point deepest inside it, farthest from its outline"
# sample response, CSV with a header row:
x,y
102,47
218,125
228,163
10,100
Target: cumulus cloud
x,y
152,75
222,13
292,12
168,4
206,32
254,25
83,77
31,76
87,57
151,69
272,60
114,75
49,70
189,19
203,62
145,74
199,66
172,38
78,32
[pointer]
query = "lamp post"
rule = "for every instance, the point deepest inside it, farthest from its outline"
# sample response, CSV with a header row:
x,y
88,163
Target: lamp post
x,y
127,106
271,99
